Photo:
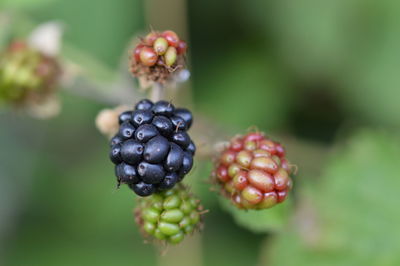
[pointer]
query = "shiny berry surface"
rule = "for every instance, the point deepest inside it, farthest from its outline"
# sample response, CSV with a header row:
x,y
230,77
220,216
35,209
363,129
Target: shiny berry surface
x,y
152,150
253,172
171,37
148,56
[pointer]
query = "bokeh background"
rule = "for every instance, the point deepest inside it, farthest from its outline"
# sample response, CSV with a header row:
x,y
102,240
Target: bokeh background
x,y
323,77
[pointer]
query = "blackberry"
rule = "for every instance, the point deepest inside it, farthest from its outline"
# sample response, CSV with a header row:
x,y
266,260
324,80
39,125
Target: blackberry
x,y
152,150
170,215
253,172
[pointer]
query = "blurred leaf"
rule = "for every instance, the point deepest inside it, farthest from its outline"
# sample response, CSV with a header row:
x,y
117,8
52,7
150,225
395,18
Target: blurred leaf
x,y
101,28
351,45
241,89
22,3
356,207
262,221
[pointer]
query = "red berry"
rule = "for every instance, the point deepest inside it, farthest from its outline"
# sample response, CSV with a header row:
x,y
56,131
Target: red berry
x,y
151,38
136,52
253,172
261,180
282,179
236,144
267,145
253,137
240,180
282,195
148,56
252,195
182,47
222,174
171,37
228,157
266,164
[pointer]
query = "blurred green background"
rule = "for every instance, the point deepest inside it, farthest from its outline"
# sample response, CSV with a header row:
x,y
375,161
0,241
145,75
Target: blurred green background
x,y
323,77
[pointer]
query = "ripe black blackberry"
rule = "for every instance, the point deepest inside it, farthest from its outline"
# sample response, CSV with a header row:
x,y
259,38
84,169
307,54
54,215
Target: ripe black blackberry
x,y
152,150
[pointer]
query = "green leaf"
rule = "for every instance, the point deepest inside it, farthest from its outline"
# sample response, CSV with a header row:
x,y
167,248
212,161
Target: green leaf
x,y
354,210
260,221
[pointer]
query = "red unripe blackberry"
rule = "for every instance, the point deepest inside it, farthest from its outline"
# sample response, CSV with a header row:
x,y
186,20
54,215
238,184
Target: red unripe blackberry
x,y
253,172
148,56
158,57
171,37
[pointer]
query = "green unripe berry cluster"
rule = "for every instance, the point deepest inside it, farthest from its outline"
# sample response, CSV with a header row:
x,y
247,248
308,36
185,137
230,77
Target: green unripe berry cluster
x,y
25,73
169,215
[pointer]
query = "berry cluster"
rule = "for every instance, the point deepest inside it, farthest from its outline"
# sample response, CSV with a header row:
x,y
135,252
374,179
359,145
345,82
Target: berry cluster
x,y
158,55
26,74
253,172
169,215
152,150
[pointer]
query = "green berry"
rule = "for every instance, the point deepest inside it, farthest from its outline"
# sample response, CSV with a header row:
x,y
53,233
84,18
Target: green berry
x,y
172,202
159,235
172,216
169,215
168,228
160,45
177,238
170,56
185,221
149,227
151,214
186,207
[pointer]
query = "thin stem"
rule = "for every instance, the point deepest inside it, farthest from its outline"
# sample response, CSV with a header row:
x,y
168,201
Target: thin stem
x,y
157,92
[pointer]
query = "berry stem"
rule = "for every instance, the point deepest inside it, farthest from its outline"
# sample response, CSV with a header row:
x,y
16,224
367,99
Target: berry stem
x,y
157,92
